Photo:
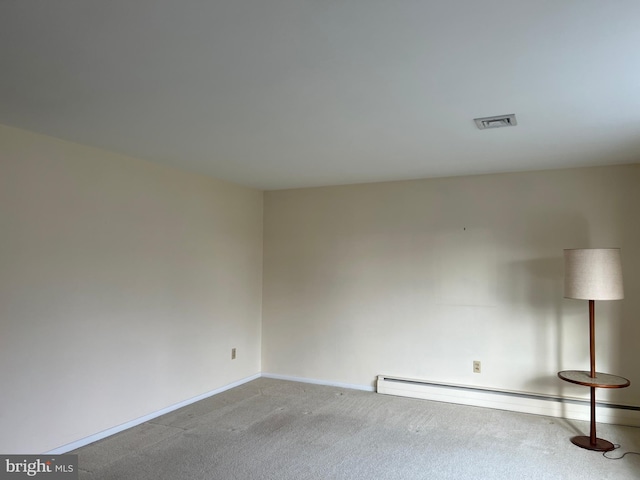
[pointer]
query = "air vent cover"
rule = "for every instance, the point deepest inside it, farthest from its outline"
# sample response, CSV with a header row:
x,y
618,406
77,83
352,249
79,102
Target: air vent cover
x,y
496,122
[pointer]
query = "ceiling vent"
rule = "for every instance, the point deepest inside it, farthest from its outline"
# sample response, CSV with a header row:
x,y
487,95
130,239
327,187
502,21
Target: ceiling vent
x,y
496,122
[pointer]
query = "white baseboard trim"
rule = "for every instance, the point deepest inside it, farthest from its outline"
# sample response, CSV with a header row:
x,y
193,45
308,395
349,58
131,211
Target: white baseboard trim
x,y
119,428
351,386
524,402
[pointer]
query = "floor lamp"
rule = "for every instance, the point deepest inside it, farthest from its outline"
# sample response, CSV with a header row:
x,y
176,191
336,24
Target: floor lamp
x,y
593,274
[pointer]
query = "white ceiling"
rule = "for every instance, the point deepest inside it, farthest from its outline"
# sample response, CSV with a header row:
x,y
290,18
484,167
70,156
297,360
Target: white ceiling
x,y
294,93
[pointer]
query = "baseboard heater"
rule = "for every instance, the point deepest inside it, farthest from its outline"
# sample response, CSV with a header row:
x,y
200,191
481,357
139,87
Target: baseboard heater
x,y
538,404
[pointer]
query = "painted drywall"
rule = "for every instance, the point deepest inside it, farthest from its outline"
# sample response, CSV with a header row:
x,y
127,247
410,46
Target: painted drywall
x,y
420,278
123,287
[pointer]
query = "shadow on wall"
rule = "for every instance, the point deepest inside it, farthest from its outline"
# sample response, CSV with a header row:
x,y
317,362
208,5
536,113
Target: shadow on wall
x,y
628,335
537,284
560,330
541,289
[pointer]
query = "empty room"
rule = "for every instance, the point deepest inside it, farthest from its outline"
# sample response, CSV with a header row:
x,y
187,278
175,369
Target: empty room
x,y
308,239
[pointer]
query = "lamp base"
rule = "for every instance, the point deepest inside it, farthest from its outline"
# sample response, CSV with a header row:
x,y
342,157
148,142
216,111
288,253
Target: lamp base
x,y
601,445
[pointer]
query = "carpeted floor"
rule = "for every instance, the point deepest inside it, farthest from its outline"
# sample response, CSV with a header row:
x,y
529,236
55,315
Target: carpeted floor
x,y
274,429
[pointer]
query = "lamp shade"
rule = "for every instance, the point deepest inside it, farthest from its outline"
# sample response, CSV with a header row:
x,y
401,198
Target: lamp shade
x,y
593,274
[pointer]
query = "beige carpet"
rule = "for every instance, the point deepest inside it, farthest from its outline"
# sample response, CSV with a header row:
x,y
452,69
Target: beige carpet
x,y
274,429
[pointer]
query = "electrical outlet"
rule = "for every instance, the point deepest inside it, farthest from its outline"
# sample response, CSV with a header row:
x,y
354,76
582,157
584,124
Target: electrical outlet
x,y
233,354
476,366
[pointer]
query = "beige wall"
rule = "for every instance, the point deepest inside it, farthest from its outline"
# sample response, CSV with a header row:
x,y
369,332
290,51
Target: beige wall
x,y
419,278
123,287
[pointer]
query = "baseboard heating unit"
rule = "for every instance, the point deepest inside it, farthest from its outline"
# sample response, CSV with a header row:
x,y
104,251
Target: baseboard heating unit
x,y
538,404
